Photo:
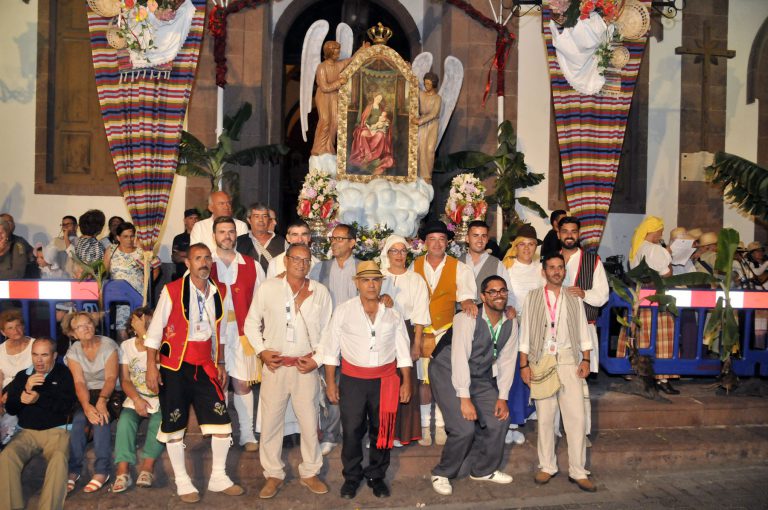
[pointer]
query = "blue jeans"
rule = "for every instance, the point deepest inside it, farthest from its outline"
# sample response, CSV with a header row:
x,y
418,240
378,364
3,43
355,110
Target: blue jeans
x,y
102,445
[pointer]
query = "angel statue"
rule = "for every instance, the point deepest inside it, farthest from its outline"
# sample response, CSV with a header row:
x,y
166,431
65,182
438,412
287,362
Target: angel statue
x,y
327,75
435,107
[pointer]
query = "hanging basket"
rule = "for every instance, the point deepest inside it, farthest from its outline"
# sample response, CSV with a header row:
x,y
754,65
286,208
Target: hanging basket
x,y
619,57
106,8
115,38
634,20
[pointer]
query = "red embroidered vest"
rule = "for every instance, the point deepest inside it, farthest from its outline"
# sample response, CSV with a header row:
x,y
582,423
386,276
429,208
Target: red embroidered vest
x,y
176,331
242,289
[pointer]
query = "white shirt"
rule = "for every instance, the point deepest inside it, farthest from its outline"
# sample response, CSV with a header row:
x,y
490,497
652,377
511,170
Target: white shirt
x,y
202,232
410,294
341,281
228,276
12,364
466,288
598,294
274,324
277,265
656,256
499,271
196,316
363,344
561,328
506,359
523,279
136,360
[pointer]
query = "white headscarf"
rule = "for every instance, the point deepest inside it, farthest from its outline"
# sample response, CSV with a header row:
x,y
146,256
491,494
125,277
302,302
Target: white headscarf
x,y
388,243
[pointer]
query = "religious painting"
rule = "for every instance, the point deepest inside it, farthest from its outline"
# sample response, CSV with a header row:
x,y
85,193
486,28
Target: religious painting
x,y
376,135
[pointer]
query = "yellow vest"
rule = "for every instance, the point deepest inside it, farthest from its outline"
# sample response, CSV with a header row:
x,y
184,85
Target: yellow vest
x,y
442,301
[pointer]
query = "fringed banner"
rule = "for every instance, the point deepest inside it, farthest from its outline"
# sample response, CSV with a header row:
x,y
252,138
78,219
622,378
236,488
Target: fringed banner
x,y
143,112
590,131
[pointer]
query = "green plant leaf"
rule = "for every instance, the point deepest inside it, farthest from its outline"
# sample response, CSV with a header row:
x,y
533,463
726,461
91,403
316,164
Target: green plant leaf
x,y
744,183
233,125
530,204
264,153
689,280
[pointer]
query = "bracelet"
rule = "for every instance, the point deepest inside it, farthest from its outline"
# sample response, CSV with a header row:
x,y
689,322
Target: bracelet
x,y
524,366
585,359
103,397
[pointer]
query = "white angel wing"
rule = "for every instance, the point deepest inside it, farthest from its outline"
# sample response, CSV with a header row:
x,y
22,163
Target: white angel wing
x,y
453,77
311,53
344,37
421,66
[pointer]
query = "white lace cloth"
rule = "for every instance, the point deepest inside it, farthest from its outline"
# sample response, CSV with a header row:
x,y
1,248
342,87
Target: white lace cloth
x,y
168,37
575,48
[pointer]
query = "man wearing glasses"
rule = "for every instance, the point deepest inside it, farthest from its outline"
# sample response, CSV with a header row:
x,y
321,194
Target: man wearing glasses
x,y
471,376
65,244
284,322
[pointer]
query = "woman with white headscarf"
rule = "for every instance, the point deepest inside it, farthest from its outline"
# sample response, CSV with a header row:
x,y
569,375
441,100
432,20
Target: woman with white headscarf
x,y
411,299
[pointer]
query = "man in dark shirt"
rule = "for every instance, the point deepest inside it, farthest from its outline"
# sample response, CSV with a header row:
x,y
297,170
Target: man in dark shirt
x,y
43,397
551,242
261,243
181,242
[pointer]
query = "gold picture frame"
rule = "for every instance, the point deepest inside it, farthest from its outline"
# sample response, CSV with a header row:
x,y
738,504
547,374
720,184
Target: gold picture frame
x,y
376,136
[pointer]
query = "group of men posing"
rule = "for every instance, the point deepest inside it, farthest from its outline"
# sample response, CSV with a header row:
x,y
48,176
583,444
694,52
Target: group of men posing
x,y
247,311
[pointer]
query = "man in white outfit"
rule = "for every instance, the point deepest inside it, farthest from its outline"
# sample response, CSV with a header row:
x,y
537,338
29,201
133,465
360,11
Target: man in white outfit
x,y
220,204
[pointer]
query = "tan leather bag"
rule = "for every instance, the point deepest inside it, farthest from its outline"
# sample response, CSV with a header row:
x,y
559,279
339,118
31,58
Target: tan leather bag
x,y
544,379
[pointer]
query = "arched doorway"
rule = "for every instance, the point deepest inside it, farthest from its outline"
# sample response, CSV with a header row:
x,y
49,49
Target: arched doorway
x,y
287,43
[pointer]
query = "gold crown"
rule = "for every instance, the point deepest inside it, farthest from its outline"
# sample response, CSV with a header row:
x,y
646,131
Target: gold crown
x,y
379,34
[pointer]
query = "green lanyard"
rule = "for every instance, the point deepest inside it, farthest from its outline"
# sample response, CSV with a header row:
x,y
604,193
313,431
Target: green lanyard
x,y
495,332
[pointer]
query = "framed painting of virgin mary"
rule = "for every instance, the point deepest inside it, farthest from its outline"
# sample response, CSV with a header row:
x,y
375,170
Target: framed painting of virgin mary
x,y
376,134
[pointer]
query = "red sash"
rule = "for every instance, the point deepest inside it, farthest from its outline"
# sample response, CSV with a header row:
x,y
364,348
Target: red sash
x,y
199,354
389,396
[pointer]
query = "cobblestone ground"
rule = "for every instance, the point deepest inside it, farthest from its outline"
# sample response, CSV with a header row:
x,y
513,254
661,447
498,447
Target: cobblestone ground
x,y
734,487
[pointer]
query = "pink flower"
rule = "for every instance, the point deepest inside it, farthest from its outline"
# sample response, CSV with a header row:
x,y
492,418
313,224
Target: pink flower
x,y
310,193
152,5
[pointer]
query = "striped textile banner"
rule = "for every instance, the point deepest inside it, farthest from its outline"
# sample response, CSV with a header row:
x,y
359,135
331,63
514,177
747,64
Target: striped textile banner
x,y
143,118
590,131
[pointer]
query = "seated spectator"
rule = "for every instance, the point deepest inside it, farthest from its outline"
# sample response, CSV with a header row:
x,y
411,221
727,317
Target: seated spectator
x,y
140,403
111,238
94,367
42,397
15,355
125,261
46,261
88,249
18,239
181,243
65,244
13,257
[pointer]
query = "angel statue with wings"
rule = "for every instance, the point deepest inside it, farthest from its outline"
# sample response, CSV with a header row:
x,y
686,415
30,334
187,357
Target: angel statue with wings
x,y
435,108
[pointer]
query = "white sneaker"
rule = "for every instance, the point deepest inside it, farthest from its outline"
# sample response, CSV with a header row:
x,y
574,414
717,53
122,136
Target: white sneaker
x,y
514,436
442,485
440,436
397,444
495,477
325,448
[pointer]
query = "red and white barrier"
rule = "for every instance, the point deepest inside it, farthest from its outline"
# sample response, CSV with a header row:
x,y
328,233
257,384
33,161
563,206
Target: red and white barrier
x,y
49,289
708,298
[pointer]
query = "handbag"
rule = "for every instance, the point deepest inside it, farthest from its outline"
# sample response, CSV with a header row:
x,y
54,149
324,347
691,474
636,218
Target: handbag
x,y
114,402
544,379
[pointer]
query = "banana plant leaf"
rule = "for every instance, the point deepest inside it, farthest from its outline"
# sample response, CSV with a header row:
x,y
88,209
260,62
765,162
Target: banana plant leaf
x,y
745,183
727,242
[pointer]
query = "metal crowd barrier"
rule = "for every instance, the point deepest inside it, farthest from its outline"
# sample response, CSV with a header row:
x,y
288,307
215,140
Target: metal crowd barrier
x,y
750,361
83,294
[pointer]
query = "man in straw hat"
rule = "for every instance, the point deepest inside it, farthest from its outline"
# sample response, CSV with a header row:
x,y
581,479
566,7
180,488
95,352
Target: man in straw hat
x,y
706,254
472,377
646,246
237,276
450,281
373,343
553,334
285,322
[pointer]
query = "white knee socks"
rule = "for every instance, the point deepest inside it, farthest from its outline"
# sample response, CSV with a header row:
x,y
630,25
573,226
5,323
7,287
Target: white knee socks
x,y
244,407
176,456
219,479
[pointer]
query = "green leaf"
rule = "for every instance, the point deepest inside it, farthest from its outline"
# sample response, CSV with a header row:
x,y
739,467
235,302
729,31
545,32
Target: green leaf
x,y
530,204
730,334
714,323
233,125
727,242
745,184
689,280
265,153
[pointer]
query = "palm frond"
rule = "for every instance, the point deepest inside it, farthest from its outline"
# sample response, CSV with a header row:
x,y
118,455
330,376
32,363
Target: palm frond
x,y
233,125
744,182
264,153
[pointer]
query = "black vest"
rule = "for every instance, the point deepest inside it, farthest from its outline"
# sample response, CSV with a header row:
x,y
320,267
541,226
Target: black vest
x,y
584,281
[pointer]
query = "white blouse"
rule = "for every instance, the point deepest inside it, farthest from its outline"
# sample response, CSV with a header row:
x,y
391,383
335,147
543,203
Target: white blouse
x,y
410,294
523,279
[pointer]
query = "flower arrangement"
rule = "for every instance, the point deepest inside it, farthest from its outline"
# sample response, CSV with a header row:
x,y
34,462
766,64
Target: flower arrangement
x,y
370,241
466,200
568,12
133,22
317,199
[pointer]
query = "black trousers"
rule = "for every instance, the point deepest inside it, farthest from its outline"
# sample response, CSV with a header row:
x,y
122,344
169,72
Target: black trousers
x,y
190,386
359,406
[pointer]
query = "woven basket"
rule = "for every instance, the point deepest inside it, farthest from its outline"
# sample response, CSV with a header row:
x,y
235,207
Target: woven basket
x,y
114,38
634,20
619,57
106,8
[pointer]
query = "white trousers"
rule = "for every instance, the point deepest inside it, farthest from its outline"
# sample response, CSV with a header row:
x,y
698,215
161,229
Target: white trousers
x,y
570,401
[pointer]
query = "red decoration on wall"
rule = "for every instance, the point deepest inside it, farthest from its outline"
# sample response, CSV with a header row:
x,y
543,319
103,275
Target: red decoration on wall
x,y
217,26
504,41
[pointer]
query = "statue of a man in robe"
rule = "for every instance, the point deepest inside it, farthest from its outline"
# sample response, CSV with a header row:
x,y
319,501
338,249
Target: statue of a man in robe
x,y
328,82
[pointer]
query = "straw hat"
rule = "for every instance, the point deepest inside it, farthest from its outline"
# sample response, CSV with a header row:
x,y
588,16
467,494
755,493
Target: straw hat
x,y
368,269
695,233
754,246
678,233
707,239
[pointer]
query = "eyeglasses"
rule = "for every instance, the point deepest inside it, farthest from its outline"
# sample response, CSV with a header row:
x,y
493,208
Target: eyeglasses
x,y
394,251
337,239
494,293
299,260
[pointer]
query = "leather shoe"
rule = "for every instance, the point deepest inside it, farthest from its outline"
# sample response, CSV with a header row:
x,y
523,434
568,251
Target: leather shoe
x,y
380,489
349,489
584,484
667,388
190,497
270,488
542,477
314,484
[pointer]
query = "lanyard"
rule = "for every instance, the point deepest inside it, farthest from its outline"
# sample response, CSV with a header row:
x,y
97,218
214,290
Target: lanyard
x,y
495,332
553,316
371,330
201,303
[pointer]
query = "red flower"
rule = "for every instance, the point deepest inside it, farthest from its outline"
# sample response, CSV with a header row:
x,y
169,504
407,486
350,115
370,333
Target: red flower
x,y
481,208
326,209
456,214
304,208
130,3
